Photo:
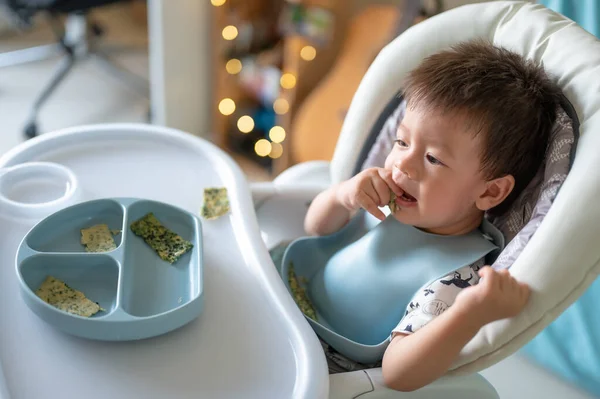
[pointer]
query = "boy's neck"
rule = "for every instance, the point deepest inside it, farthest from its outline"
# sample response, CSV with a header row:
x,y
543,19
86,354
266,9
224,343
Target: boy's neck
x,y
464,226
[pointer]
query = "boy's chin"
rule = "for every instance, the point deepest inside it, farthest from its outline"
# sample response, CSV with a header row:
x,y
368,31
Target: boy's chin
x,y
406,217
411,221
411,218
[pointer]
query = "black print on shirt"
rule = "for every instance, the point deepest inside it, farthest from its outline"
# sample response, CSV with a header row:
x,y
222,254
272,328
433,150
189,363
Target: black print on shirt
x,y
458,281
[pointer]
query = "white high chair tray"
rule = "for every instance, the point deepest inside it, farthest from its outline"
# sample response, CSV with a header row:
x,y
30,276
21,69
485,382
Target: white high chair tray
x,y
249,342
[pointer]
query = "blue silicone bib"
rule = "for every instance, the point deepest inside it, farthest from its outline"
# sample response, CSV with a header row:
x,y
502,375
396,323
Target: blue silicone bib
x,y
361,279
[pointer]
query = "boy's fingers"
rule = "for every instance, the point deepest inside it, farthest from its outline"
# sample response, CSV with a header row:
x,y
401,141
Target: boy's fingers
x,y
489,277
382,191
509,281
503,280
365,196
370,206
386,175
375,211
484,271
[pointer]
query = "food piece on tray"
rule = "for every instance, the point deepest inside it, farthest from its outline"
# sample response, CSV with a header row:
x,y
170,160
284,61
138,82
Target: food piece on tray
x,y
61,296
98,238
168,245
216,203
299,294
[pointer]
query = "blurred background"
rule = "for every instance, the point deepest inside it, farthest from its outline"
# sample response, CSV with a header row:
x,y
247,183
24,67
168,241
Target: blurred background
x,y
268,81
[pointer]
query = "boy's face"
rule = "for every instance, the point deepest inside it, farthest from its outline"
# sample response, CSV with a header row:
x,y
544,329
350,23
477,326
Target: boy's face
x,y
436,162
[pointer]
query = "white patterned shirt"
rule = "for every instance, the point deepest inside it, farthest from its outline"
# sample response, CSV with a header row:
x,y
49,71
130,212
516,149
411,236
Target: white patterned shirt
x,y
434,298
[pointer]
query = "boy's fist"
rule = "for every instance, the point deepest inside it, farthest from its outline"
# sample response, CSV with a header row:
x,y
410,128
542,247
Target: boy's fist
x,y
369,190
497,296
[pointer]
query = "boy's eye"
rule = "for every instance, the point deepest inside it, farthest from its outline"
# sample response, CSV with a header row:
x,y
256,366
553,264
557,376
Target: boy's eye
x,y
401,143
432,160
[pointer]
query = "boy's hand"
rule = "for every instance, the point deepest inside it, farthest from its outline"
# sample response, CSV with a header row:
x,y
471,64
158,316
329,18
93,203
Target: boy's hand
x,y
369,189
497,296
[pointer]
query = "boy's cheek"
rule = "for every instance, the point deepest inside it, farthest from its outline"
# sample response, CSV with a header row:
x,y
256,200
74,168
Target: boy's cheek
x,y
440,202
447,191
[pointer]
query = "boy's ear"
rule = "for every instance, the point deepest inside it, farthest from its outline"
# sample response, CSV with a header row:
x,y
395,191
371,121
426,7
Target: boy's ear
x,y
496,191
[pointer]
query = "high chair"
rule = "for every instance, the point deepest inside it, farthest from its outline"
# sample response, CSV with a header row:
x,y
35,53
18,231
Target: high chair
x,y
559,262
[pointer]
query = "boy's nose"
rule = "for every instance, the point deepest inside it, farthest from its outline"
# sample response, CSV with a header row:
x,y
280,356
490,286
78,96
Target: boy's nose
x,y
406,165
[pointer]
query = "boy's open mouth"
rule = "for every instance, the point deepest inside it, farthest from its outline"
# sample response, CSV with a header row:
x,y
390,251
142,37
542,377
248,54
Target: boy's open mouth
x,y
407,197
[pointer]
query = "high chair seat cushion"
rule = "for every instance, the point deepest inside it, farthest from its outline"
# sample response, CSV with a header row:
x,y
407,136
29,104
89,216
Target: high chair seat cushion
x,y
562,258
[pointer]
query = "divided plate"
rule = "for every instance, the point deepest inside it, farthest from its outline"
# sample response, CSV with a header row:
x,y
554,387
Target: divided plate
x,y
142,295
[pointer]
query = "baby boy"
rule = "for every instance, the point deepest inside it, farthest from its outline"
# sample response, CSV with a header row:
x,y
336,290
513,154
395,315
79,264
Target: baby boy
x,y
474,134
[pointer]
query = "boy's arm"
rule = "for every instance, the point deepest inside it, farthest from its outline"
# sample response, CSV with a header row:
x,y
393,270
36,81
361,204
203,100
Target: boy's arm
x,y
326,214
332,209
413,361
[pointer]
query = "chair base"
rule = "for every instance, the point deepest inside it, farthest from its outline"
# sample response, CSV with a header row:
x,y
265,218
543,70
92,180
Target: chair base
x,y
77,42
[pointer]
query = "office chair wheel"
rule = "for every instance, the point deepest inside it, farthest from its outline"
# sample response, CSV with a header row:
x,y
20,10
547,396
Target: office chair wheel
x,y
97,30
31,130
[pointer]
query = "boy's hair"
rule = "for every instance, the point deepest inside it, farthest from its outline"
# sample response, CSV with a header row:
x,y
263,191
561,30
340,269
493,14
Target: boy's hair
x,y
509,99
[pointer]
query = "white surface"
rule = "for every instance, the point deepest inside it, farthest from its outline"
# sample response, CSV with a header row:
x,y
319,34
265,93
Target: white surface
x,y
311,172
516,377
289,204
36,189
287,198
368,384
572,56
349,385
251,340
472,386
180,64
